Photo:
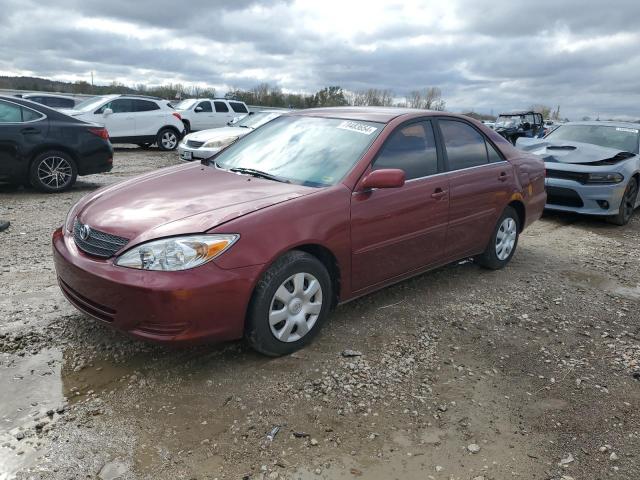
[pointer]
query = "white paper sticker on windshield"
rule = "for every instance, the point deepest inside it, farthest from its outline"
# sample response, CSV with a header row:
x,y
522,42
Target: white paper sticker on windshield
x,y
630,130
357,127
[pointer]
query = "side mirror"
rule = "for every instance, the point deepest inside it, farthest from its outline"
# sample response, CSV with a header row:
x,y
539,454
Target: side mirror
x,y
385,178
107,111
198,109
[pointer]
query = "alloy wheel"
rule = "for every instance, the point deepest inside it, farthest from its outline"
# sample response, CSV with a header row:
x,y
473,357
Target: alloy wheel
x,y
169,140
55,172
506,238
295,307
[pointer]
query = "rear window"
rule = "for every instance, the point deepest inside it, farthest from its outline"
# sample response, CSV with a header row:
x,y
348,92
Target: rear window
x,y
238,107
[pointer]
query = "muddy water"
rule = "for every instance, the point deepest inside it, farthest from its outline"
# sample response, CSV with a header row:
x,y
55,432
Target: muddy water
x,y
32,385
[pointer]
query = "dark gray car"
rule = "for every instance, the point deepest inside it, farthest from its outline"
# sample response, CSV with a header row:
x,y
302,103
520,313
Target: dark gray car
x,y
592,168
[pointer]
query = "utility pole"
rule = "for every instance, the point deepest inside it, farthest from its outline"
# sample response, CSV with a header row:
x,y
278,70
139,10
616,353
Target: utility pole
x,y
91,81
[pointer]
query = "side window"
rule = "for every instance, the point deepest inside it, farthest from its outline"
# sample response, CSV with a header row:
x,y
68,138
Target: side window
x,y
411,148
238,107
465,146
145,105
205,107
10,113
30,115
221,107
494,156
121,105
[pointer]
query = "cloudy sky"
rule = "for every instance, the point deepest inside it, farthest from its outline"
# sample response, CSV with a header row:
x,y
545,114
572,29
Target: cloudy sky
x,y
485,55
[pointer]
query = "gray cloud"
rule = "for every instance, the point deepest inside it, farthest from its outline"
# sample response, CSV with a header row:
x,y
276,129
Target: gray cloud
x,y
495,55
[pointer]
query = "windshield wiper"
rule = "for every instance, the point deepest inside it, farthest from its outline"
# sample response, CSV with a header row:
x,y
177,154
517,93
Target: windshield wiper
x,y
257,173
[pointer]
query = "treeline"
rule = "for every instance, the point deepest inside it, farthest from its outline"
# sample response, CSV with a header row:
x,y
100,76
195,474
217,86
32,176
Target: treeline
x,y
264,94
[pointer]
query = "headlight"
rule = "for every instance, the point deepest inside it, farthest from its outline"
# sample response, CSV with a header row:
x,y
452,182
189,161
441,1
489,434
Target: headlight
x,y
177,253
606,177
220,143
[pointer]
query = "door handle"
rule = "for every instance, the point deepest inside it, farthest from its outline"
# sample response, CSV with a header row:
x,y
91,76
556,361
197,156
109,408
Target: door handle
x,y
503,176
438,193
29,130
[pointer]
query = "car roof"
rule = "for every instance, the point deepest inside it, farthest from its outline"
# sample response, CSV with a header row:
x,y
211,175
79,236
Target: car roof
x,y
635,126
45,94
48,111
367,114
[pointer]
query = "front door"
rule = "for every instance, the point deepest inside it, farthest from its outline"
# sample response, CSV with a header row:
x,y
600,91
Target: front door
x,y
122,121
203,116
399,230
479,183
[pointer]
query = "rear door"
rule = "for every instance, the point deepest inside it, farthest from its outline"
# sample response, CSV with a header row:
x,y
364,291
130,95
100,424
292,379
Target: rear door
x,y
398,230
21,129
479,183
149,117
120,123
203,116
223,113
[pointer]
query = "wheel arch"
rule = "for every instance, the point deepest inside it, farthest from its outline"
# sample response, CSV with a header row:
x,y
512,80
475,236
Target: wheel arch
x,y
520,209
54,148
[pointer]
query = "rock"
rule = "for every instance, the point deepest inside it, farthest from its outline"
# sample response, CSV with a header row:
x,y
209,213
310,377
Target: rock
x,y
317,471
566,460
273,475
613,457
439,468
351,353
442,408
19,435
314,442
479,477
473,448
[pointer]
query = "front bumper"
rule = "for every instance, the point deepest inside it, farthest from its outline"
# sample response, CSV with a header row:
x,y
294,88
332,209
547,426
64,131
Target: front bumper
x,y
571,196
189,154
206,303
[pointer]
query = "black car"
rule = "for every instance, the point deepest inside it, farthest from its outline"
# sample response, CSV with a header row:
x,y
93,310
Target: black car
x,y
53,101
47,149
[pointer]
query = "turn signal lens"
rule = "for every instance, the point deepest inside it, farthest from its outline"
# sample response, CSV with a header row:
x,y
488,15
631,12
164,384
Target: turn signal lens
x,y
177,253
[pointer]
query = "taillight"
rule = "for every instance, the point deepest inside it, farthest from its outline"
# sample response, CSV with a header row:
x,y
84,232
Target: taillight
x,y
177,115
101,132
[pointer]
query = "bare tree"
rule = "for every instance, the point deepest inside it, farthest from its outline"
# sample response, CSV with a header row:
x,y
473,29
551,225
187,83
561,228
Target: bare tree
x,y
428,98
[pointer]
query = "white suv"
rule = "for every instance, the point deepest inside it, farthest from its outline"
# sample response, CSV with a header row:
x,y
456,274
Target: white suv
x,y
133,119
204,113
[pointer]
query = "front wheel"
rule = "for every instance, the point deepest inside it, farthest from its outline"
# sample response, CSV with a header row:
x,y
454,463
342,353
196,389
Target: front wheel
x,y
627,205
503,243
289,305
167,139
53,172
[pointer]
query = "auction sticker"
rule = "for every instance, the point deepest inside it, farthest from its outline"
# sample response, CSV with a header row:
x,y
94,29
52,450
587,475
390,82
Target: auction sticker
x,y
629,130
357,127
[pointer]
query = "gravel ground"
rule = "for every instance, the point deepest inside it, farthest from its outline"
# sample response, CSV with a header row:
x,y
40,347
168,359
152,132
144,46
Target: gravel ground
x,y
532,372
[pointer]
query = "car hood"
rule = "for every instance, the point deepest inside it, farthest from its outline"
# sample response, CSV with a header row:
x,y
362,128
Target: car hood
x,y
217,134
564,151
178,200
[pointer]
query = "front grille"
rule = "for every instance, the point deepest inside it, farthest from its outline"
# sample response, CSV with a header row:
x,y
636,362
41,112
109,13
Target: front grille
x,y
564,197
194,144
566,175
97,243
86,305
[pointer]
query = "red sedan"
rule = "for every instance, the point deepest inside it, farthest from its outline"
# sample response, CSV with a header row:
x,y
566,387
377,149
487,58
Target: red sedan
x,y
313,209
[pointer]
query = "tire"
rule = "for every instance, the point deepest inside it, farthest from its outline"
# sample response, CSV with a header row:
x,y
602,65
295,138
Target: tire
x,y
498,253
53,172
626,205
292,279
167,139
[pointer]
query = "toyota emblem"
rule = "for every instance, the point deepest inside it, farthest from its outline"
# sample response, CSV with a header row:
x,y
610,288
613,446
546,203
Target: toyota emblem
x,y
85,231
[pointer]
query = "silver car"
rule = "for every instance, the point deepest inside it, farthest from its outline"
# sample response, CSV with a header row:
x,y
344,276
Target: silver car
x,y
592,168
205,143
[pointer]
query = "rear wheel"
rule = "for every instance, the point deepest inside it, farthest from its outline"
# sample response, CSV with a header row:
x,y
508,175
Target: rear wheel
x,y
167,139
289,305
52,172
627,205
503,242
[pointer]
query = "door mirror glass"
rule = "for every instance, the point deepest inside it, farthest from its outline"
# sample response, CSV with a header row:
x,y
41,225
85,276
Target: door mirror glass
x,y
107,111
384,178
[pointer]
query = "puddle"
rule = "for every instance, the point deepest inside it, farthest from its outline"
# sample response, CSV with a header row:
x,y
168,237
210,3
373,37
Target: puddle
x,y
587,279
30,386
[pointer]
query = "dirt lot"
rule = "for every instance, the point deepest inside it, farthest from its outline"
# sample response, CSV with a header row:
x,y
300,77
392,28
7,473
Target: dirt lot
x,y
532,372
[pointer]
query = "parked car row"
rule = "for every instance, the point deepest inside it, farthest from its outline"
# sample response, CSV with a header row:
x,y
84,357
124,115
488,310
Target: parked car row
x,y
204,113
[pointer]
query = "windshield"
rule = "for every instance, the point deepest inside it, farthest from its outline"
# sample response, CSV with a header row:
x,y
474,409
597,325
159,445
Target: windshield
x,y
508,120
186,104
256,119
620,138
90,104
305,150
